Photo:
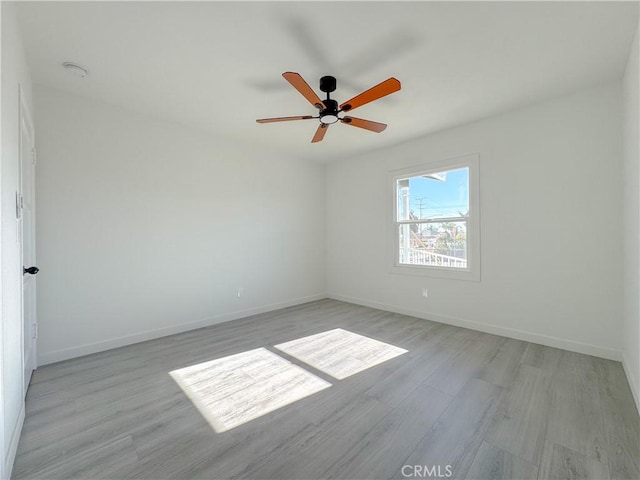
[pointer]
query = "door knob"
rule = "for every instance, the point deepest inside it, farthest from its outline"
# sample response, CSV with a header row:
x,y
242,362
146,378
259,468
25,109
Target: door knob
x,y
30,270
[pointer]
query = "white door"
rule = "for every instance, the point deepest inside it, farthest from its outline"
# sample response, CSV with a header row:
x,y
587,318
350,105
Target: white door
x,y
27,237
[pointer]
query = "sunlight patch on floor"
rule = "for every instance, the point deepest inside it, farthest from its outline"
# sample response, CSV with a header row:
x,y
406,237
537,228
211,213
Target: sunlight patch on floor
x,y
232,390
340,353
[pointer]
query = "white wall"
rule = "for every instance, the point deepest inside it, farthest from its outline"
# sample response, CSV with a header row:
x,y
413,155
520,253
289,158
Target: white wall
x,y
550,207
14,74
631,330
147,228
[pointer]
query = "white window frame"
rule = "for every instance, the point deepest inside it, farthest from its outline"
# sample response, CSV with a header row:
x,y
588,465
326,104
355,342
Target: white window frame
x,y
472,272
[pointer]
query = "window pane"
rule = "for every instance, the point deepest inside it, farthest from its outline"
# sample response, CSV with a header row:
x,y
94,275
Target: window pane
x,y
442,244
402,189
434,195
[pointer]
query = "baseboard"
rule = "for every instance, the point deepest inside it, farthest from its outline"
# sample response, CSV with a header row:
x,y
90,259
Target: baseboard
x,y
632,379
10,456
488,328
87,349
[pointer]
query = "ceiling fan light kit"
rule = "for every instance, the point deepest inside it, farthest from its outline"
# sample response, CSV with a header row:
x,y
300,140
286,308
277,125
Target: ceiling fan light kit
x,y
329,112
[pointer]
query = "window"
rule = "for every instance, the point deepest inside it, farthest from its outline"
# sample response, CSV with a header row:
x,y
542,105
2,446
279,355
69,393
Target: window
x,y
436,219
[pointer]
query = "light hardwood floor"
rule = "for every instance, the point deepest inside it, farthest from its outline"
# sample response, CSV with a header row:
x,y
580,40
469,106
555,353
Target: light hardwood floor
x,y
475,405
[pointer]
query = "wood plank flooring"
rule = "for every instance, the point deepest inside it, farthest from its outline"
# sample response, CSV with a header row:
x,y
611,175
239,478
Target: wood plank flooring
x,y
459,402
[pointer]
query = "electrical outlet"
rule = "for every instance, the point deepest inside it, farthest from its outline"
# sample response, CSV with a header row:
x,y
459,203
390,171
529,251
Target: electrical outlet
x,y
425,292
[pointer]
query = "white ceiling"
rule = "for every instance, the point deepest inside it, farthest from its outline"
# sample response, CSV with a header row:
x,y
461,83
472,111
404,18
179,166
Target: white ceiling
x,y
217,65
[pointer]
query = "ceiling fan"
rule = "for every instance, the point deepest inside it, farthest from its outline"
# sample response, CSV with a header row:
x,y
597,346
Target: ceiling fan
x,y
329,110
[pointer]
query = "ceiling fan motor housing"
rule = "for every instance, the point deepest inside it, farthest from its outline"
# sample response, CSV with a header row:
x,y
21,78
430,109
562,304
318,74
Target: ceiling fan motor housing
x,y
329,114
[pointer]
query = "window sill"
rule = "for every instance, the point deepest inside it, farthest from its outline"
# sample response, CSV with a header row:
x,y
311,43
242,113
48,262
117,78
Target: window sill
x,y
436,272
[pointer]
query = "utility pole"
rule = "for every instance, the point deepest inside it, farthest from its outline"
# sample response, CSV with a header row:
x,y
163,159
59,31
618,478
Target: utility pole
x,y
420,201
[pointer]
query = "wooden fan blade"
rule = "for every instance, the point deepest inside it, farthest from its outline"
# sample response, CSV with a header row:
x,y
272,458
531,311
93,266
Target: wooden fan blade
x,y
383,89
303,87
366,124
283,119
320,132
